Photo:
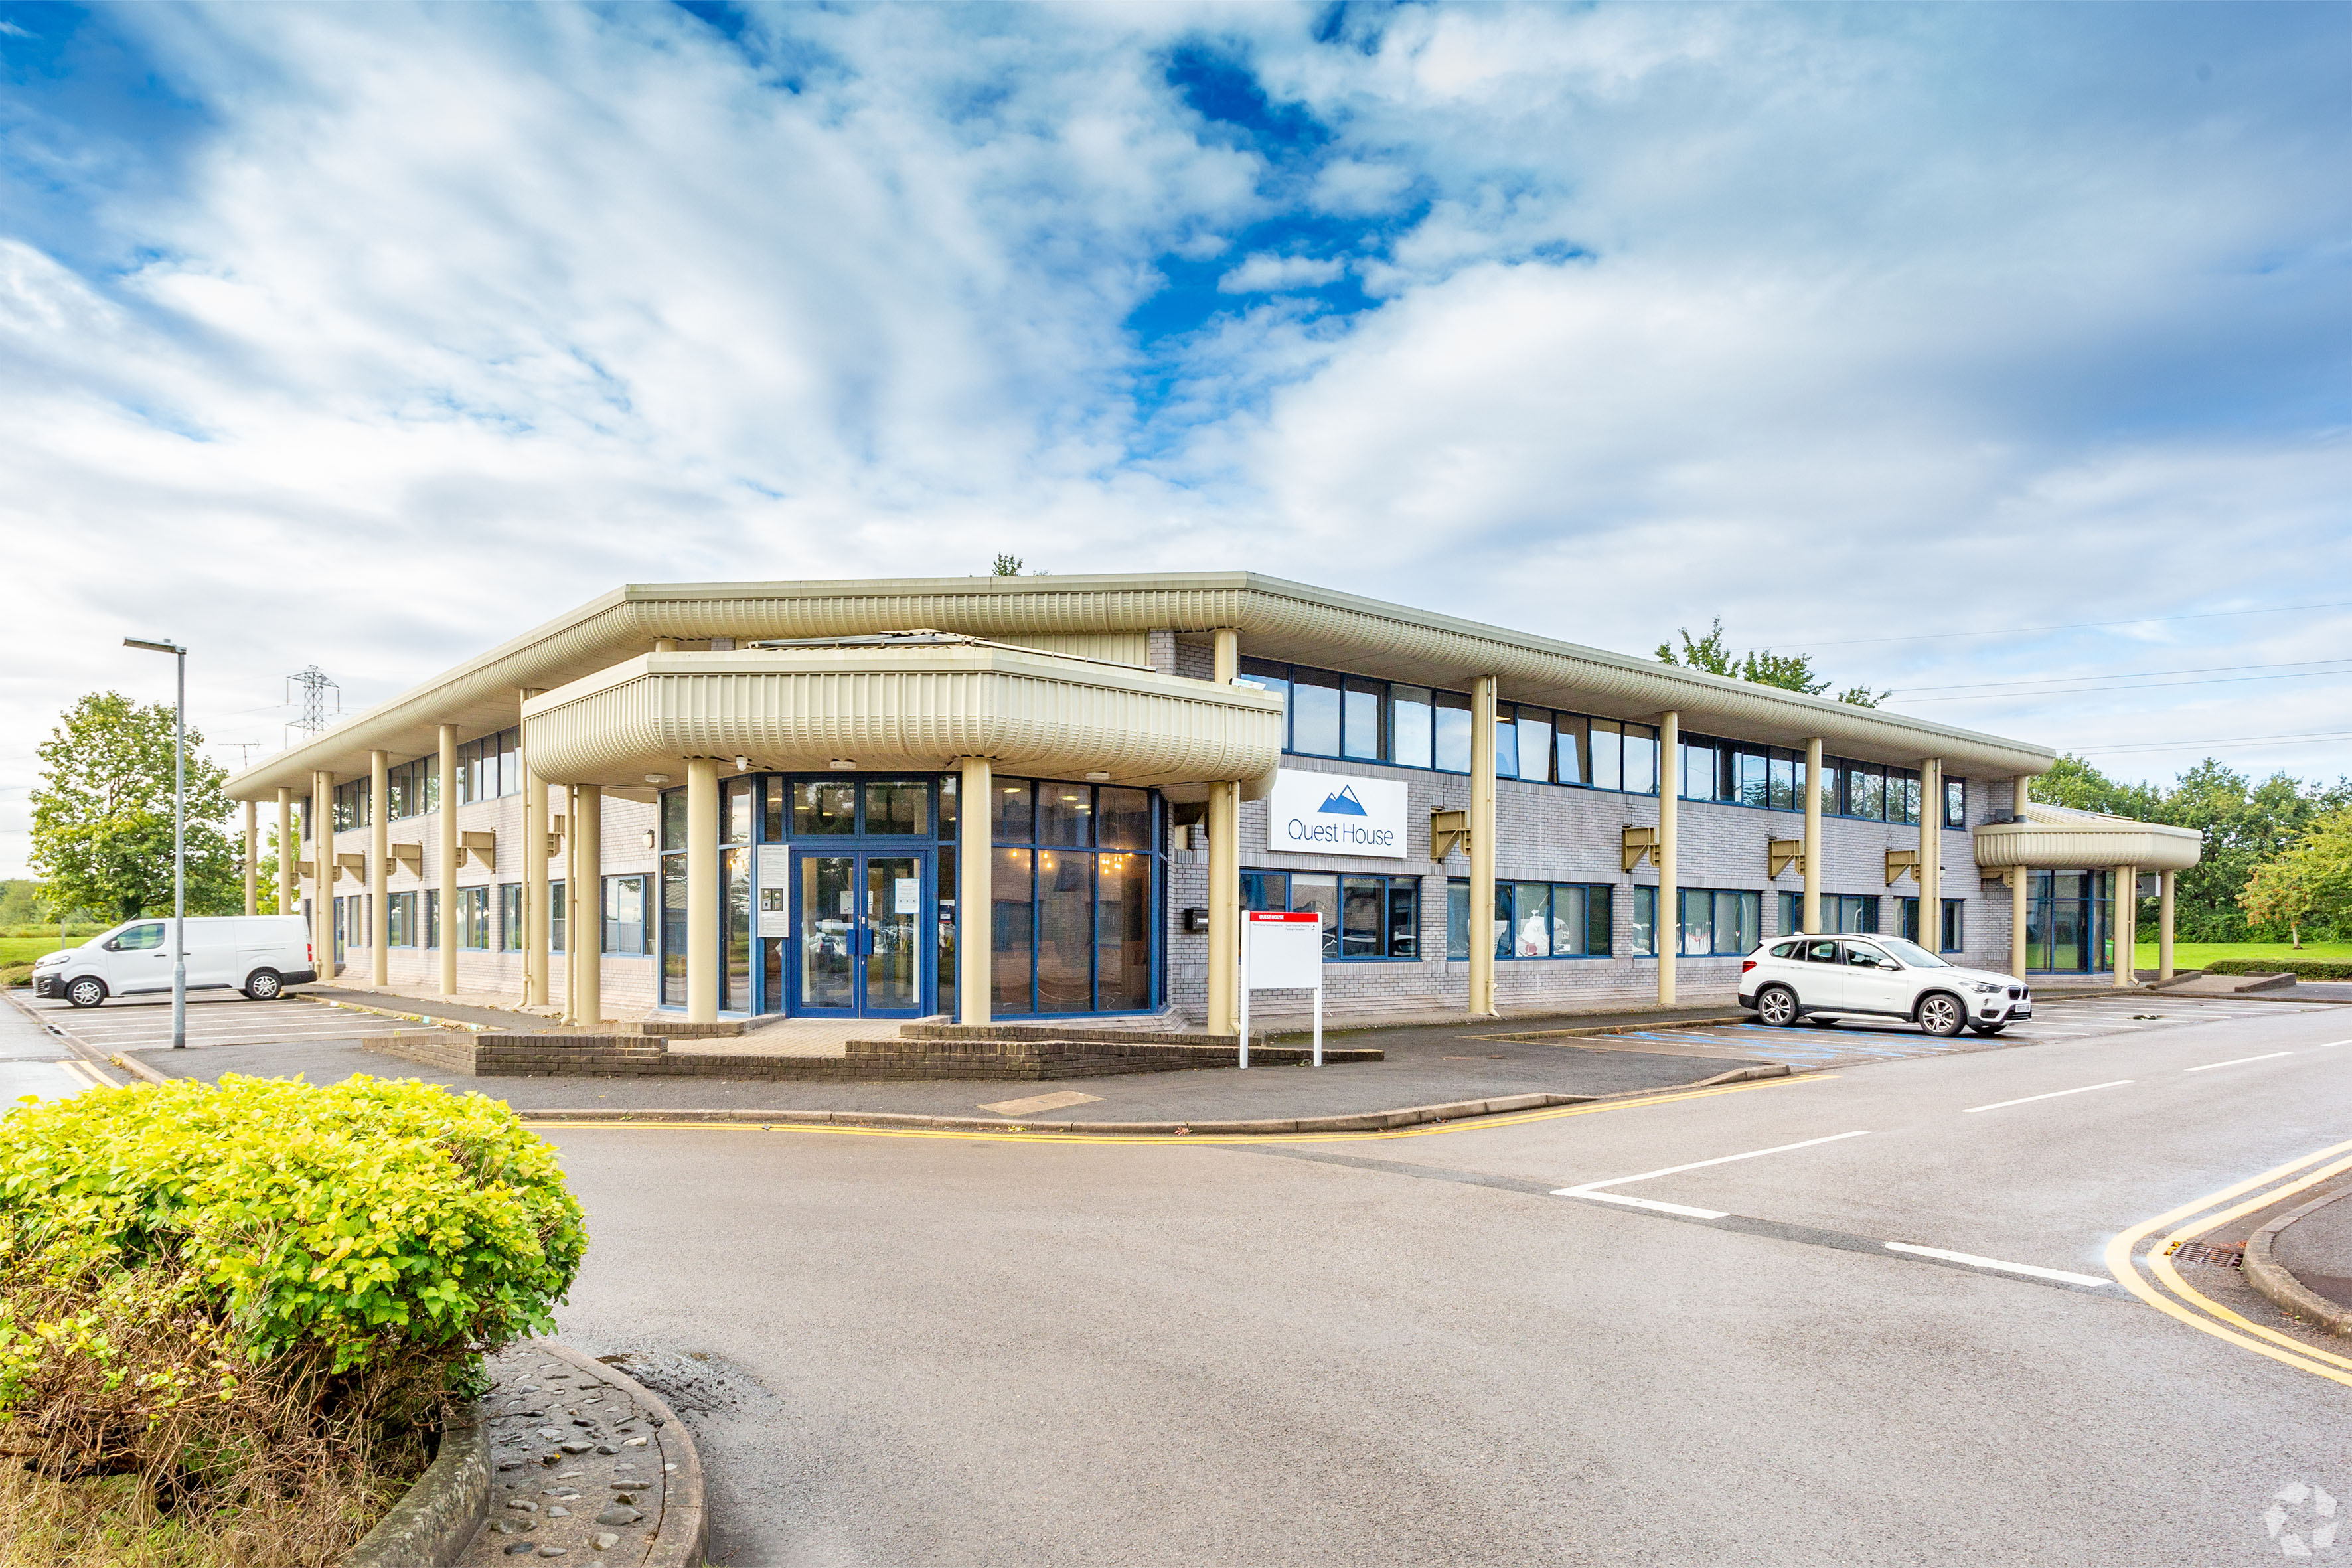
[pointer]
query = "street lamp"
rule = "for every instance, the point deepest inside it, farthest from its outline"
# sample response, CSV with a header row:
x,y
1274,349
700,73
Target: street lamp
x,y
179,838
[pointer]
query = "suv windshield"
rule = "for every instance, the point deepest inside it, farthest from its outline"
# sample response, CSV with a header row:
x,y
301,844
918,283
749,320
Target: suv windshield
x,y
1912,953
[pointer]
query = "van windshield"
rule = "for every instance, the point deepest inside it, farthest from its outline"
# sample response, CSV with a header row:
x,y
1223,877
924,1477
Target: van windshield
x,y
1912,953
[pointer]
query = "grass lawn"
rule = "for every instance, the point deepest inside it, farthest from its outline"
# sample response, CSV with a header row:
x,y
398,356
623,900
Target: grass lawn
x,y
24,949
2197,954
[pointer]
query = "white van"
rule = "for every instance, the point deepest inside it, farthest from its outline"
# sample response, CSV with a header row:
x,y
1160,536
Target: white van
x,y
257,955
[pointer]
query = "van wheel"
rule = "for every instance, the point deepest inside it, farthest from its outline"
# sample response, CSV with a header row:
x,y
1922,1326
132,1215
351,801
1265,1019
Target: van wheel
x,y
265,986
1777,1005
87,992
1942,1015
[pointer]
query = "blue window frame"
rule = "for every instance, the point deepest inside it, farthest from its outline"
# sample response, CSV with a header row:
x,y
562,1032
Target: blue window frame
x,y
1950,929
1364,918
1854,914
1074,925
1717,923
1548,919
1871,791
400,923
1357,719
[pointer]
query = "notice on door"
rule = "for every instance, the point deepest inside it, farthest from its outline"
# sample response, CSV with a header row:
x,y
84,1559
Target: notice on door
x,y
775,884
906,895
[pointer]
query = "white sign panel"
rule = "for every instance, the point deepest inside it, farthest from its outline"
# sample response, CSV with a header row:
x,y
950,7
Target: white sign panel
x,y
775,890
1335,814
1285,951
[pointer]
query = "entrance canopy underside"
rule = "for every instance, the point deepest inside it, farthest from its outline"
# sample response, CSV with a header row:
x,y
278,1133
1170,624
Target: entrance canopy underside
x,y
2061,837
878,709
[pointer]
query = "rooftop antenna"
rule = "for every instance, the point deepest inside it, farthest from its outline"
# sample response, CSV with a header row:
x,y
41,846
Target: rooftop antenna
x,y
315,686
245,750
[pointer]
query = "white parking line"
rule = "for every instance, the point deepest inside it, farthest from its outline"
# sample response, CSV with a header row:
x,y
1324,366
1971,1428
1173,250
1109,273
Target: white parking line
x,y
1973,1261
2239,1062
2054,1094
1591,1189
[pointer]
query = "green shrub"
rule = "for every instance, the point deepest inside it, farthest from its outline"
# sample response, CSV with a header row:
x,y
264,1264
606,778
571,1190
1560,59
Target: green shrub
x,y
2301,968
221,1289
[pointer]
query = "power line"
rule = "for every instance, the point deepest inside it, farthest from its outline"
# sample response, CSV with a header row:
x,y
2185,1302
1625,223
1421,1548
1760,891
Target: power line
x,y
2151,686
2133,675
2074,626
2220,741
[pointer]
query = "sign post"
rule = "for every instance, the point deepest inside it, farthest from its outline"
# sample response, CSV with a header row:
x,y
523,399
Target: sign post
x,y
1282,949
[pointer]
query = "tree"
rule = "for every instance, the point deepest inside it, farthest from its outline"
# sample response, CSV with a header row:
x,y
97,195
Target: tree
x,y
2309,883
1789,671
1007,566
20,902
102,814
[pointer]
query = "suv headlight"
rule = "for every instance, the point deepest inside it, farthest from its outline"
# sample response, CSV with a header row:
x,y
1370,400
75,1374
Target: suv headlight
x,y
1982,989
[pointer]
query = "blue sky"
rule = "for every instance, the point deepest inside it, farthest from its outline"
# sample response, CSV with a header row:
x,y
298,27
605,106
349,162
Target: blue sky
x,y
1883,332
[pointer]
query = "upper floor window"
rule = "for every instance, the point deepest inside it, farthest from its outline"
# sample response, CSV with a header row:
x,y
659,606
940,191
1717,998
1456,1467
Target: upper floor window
x,y
490,767
1357,719
1955,802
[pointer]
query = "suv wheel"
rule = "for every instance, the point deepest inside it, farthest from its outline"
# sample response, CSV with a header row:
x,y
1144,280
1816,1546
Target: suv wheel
x,y
1942,1015
264,985
87,992
1777,1005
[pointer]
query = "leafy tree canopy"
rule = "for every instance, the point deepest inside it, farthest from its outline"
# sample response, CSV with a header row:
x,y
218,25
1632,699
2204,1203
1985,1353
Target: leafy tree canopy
x,y
1789,671
102,814
1007,566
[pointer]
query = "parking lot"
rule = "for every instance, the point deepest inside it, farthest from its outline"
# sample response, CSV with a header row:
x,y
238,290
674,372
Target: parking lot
x,y
214,1019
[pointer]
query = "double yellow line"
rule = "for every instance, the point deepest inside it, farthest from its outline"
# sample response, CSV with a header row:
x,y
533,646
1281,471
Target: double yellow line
x,y
2179,1299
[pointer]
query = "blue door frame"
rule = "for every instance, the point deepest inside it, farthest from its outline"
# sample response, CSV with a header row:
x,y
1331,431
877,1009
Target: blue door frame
x,y
856,934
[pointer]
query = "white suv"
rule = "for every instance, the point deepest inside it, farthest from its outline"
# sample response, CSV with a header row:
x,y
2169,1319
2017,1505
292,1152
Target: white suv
x,y
1877,977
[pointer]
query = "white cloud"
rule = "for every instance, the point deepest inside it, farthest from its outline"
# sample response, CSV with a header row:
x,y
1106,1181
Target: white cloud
x,y
452,318
1266,274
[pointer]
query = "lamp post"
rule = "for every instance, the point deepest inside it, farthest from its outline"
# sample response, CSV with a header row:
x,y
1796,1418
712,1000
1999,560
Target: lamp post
x,y
179,836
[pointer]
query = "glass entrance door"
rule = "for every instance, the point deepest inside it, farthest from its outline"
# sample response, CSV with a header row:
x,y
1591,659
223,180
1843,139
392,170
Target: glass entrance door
x,y
858,932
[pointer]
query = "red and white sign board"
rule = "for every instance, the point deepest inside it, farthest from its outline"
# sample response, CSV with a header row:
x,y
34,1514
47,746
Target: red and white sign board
x,y
1282,949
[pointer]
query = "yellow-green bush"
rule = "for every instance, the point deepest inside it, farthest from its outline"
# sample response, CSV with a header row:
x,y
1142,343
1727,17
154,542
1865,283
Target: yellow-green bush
x,y
214,1288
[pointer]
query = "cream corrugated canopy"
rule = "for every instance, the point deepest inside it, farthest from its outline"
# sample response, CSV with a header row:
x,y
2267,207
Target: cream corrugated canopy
x,y
916,707
2058,836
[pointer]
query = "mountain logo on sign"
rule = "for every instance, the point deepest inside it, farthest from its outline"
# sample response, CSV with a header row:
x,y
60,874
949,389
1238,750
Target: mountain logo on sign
x,y
1343,804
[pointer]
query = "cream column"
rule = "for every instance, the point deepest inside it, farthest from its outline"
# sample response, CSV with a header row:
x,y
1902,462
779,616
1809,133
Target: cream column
x,y
975,891
1931,854
534,887
444,860
701,890
379,870
1813,911
583,940
289,850
2123,888
1225,872
252,849
2019,878
2164,924
322,867
1666,928
1482,847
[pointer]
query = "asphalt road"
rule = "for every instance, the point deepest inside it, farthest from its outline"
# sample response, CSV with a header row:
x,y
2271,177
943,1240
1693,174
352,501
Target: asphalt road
x,y
1406,1348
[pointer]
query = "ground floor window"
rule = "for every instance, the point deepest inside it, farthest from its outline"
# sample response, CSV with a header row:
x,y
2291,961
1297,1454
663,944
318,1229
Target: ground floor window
x,y
673,919
1538,919
510,916
432,917
1851,914
1070,932
1719,922
1947,934
1952,935
473,918
624,916
401,923
1645,923
1364,916
2068,924
556,914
